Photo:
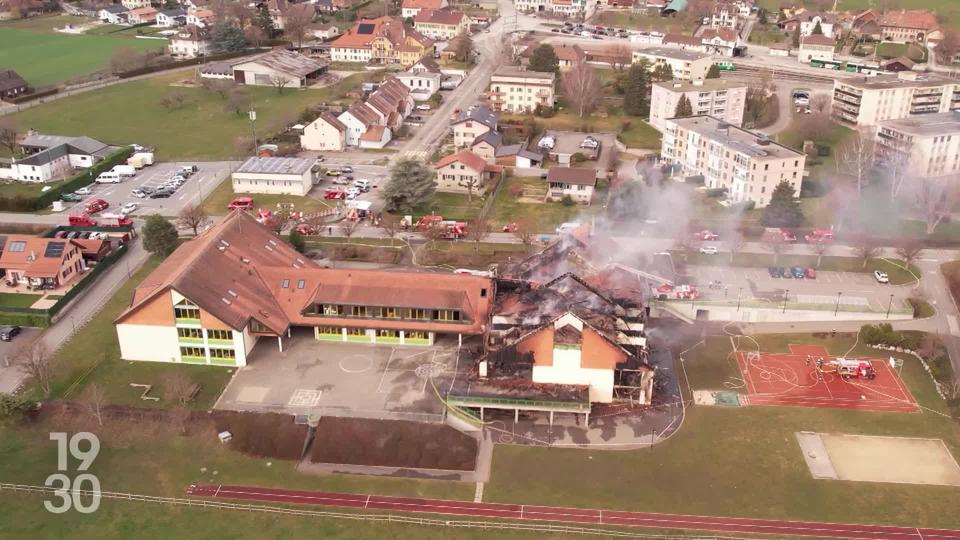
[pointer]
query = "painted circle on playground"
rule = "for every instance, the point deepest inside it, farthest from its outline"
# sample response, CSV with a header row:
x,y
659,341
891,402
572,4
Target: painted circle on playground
x,y
429,370
356,363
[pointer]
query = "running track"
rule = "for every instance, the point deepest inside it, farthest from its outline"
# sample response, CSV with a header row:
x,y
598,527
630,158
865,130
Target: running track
x,y
582,516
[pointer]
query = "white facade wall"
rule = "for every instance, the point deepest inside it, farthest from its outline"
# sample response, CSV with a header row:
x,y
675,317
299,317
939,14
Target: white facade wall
x,y
355,128
343,54
148,343
566,370
280,184
319,135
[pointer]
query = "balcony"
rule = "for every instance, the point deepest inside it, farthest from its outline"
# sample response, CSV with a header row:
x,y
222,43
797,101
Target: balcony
x,y
924,109
925,99
850,94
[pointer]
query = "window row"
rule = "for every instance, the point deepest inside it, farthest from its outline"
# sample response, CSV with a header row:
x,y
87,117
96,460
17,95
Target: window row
x,y
386,312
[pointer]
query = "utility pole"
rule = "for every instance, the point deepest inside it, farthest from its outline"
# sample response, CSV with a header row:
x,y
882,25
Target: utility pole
x,y
253,127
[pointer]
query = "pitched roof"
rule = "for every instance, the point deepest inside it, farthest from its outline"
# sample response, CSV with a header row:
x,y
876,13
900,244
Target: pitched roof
x,y
114,9
10,79
493,138
329,118
35,256
466,157
682,39
915,18
570,54
572,175
364,114
518,150
364,32
816,40
726,34
427,64
422,4
450,17
373,134
285,61
478,113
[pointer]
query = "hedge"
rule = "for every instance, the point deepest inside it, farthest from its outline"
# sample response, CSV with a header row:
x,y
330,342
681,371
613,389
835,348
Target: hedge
x,y
181,63
36,94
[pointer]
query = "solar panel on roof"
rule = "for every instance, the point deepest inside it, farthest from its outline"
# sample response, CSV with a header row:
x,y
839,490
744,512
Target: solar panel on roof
x,y
54,250
365,28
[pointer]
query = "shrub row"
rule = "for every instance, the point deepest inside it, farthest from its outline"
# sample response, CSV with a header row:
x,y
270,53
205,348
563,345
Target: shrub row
x,y
884,334
36,94
180,63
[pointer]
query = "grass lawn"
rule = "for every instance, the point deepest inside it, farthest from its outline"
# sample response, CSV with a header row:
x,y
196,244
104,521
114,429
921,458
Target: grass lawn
x,y
45,23
44,58
897,274
544,216
643,21
18,300
893,50
25,189
200,129
451,206
947,10
216,202
632,131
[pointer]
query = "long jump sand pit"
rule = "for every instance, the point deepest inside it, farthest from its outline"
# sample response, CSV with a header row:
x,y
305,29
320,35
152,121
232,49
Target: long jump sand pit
x,y
863,458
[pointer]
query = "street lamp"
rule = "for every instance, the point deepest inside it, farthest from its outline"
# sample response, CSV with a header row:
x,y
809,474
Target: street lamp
x,y
889,305
785,296
738,298
837,309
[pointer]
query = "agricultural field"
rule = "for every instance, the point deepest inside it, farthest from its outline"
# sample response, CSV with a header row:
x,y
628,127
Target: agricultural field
x,y
45,58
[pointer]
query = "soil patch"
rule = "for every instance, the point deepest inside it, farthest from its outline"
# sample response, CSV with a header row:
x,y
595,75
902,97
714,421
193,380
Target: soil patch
x,y
263,434
393,443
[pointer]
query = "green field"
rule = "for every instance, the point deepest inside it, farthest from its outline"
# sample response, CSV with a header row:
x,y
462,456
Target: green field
x,y
44,58
18,300
947,10
216,202
200,128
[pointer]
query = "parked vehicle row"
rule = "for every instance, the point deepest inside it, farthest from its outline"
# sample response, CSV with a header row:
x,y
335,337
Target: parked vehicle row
x,y
796,272
169,187
83,235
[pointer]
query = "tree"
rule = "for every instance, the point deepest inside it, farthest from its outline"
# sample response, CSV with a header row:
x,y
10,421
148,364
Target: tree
x,y
391,226
477,230
265,21
238,101
636,100
193,217
820,103
278,221
544,59
820,248
254,35
734,244
296,20
684,107
662,72
783,211
896,168
713,72
37,362
241,13
856,157
756,104
279,81
525,230
348,228
176,386
14,404
227,38
411,184
817,30
126,59
462,48
94,398
949,46
8,134
218,86
775,245
621,56
866,248
909,252
581,88
296,240
936,198
159,235
795,37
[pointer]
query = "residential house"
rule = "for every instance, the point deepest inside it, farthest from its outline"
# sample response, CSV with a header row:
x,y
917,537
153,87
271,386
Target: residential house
x,y
412,8
515,90
815,47
358,118
274,175
135,4
913,26
573,182
423,79
171,18
144,15
203,18
686,65
464,172
926,146
515,155
722,41
900,63
685,42
569,8
238,283
376,137
807,22
190,42
486,145
725,15
12,84
868,101
471,123
724,99
279,67
52,157
747,164
567,55
779,49
441,24
382,41
392,103
113,14
93,250
326,134
38,262
866,24
325,31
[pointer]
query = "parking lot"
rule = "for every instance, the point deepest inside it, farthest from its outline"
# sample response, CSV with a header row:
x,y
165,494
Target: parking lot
x,y
854,288
375,174
342,379
200,184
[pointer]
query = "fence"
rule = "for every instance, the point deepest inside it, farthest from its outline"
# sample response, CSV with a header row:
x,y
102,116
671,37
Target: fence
x,y
554,529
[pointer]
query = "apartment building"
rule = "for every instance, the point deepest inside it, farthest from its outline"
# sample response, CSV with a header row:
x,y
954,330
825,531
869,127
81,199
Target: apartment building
x,y
563,7
723,99
870,100
384,40
441,24
686,65
514,90
747,164
928,145
913,26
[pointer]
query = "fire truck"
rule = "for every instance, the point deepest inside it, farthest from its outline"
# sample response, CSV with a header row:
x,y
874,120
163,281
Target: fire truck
x,y
115,220
772,234
819,237
706,235
81,220
453,230
849,368
679,292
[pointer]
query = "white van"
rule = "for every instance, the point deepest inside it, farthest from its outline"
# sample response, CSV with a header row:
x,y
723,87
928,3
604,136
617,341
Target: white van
x,y
566,228
109,177
362,185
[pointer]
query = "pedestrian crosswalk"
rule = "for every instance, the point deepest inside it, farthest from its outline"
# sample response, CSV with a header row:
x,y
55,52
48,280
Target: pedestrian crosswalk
x,y
413,154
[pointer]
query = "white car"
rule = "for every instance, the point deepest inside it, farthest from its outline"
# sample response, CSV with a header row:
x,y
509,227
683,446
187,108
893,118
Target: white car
x,y
881,277
423,107
128,209
85,190
708,250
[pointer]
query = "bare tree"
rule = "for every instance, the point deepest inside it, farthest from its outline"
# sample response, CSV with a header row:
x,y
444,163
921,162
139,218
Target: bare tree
x,y
525,231
856,157
866,248
820,104
581,87
8,134
176,386
296,19
462,47
279,82
477,231
94,398
193,217
909,252
242,13
390,225
126,59
820,248
472,183
218,86
278,221
734,244
255,35
238,101
775,245
348,228
621,56
433,234
936,198
38,363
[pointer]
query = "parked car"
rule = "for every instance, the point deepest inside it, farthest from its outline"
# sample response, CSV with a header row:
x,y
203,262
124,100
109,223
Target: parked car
x,y
7,333
335,194
811,273
60,234
348,169
128,209
85,190
141,193
798,272
96,205
709,250
84,235
70,197
72,234
881,277
161,194
785,273
341,181
774,272
706,235
332,172
244,203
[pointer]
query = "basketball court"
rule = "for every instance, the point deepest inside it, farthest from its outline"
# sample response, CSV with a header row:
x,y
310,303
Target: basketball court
x,y
794,379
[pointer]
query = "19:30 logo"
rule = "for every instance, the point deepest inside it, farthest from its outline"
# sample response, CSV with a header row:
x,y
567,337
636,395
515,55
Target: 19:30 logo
x,y
73,492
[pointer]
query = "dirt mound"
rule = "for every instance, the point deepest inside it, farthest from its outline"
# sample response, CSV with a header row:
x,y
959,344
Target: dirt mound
x,y
262,434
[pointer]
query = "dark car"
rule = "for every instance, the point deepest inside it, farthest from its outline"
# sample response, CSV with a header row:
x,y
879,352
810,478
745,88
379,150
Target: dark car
x,y
61,234
785,273
73,234
7,333
346,169
161,194
774,271
798,272
71,197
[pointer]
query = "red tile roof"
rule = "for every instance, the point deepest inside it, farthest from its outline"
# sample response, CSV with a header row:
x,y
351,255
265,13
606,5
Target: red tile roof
x,y
422,4
921,19
816,40
373,134
726,34
573,175
466,157
450,17
31,257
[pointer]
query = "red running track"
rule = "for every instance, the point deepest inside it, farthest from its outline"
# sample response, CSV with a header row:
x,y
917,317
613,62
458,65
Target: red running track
x,y
583,516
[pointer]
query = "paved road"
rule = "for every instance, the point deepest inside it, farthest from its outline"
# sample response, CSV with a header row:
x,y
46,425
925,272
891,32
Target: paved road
x,y
584,516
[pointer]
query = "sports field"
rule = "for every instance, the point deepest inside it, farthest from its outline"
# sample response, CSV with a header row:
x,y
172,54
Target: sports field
x,y
44,58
